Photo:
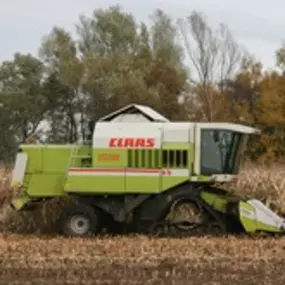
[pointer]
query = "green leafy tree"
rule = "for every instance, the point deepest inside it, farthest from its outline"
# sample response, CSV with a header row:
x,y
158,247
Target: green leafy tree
x,y
21,93
108,32
8,141
64,72
129,63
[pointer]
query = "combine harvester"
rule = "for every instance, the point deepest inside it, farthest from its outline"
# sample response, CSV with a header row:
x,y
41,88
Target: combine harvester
x,y
144,173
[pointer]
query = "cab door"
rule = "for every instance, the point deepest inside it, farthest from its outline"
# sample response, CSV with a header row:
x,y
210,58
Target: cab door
x,y
216,150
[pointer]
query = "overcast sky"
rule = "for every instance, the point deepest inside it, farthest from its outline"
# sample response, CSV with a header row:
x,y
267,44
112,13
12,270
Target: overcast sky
x,y
258,25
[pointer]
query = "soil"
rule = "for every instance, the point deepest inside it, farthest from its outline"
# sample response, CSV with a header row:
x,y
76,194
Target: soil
x,y
140,260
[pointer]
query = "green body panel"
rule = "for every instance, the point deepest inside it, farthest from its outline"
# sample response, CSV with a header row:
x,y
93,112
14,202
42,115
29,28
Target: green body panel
x,y
35,161
121,184
248,224
115,185
144,185
53,158
252,225
95,184
218,202
47,167
169,182
46,185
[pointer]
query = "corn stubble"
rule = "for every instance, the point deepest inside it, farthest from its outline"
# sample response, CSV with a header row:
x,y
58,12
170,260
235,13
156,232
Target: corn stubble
x,y
31,257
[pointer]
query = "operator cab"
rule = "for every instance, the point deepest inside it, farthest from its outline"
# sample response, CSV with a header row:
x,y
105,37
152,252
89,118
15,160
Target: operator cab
x,y
220,147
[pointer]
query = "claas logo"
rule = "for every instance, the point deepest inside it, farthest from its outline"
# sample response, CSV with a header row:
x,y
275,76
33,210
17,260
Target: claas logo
x,y
132,142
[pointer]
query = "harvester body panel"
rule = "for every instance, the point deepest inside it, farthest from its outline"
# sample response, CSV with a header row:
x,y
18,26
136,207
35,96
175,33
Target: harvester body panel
x,y
46,168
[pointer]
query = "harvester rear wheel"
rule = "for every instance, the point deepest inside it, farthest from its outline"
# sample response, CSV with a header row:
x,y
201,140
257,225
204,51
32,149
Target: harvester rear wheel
x,y
78,220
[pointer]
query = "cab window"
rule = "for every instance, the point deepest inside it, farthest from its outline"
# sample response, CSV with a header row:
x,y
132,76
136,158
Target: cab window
x,y
218,151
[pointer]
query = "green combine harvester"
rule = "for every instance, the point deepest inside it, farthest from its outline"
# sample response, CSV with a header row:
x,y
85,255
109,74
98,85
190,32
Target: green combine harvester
x,y
143,173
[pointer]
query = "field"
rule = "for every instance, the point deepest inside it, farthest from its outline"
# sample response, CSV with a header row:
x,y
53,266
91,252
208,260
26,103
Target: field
x,y
30,257
139,260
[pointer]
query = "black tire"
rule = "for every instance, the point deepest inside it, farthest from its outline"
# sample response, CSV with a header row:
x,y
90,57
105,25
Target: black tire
x,y
110,226
216,229
73,215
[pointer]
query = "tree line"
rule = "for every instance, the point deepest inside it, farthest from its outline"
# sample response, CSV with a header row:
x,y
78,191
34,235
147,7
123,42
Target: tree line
x,y
185,69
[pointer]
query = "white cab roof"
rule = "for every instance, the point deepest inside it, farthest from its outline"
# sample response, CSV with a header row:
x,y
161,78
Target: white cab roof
x,y
230,126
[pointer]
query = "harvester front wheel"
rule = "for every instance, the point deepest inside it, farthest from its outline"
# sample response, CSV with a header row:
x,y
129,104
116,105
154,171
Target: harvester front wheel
x,y
78,221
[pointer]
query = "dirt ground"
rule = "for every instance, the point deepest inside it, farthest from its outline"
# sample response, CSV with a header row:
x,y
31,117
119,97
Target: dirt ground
x,y
140,260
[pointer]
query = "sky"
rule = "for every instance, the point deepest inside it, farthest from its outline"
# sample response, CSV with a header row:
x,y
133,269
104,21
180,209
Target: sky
x,y
257,25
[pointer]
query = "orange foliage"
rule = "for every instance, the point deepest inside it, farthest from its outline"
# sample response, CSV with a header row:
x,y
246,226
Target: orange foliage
x,y
271,103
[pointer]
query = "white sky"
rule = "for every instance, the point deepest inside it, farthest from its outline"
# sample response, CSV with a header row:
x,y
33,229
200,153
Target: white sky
x,y
258,25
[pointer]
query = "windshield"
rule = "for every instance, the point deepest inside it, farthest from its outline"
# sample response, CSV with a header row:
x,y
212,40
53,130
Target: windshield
x,y
218,151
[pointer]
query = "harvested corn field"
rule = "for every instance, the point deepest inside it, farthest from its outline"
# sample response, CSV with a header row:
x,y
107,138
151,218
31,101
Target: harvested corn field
x,y
39,259
139,260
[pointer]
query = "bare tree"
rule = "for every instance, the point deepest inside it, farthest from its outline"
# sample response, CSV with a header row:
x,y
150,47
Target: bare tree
x,y
214,58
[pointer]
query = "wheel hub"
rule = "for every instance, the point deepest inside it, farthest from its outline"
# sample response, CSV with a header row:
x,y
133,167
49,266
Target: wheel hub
x,y
79,224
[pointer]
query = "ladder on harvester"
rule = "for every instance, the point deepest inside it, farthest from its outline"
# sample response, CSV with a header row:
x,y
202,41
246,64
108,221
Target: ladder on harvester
x,y
73,155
